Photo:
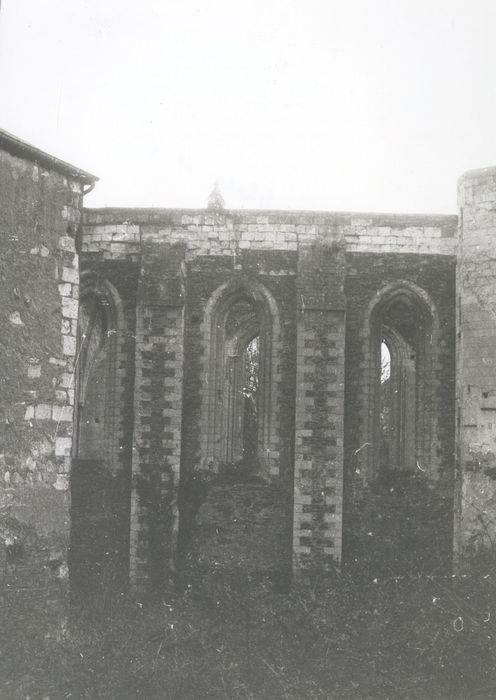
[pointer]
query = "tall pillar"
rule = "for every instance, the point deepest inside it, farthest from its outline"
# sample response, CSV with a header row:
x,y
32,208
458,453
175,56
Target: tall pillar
x,y
475,503
158,414
318,488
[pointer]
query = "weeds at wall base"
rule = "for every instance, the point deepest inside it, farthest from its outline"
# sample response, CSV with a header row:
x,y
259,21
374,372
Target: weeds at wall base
x,y
423,637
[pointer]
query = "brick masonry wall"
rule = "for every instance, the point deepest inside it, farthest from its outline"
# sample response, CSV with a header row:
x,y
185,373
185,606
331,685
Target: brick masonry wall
x,y
184,256
226,233
318,487
39,215
475,524
158,402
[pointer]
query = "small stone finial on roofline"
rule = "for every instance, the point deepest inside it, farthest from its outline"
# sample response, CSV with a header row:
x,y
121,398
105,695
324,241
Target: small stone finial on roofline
x,y
215,199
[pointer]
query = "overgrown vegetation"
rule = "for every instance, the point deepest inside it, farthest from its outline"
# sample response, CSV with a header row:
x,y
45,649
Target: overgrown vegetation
x,y
394,623
352,636
400,525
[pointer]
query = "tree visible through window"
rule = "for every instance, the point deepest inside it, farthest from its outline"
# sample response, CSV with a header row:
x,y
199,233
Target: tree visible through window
x,y
385,407
251,395
240,393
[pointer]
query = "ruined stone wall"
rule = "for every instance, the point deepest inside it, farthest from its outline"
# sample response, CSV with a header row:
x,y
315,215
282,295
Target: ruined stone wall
x,y
39,281
318,282
475,523
302,262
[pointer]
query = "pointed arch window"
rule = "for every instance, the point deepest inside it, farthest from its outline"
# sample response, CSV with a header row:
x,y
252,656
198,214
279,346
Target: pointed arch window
x,y
401,418
95,429
241,328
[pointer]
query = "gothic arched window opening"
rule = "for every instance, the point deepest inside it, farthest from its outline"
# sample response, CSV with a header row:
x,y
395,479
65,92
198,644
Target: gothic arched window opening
x,y
401,336
237,418
95,417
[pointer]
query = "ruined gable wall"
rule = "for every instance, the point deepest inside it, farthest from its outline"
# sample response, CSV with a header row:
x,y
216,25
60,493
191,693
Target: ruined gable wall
x,y
39,215
183,257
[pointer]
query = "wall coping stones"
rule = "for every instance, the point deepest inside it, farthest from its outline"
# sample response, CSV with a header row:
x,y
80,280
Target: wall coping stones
x,y
185,217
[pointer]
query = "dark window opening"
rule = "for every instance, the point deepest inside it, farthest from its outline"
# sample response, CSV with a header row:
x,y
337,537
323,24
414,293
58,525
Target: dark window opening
x,y
239,400
401,334
397,411
92,379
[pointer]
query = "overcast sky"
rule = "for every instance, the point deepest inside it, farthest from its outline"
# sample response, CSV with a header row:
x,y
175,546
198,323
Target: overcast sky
x,y
366,105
